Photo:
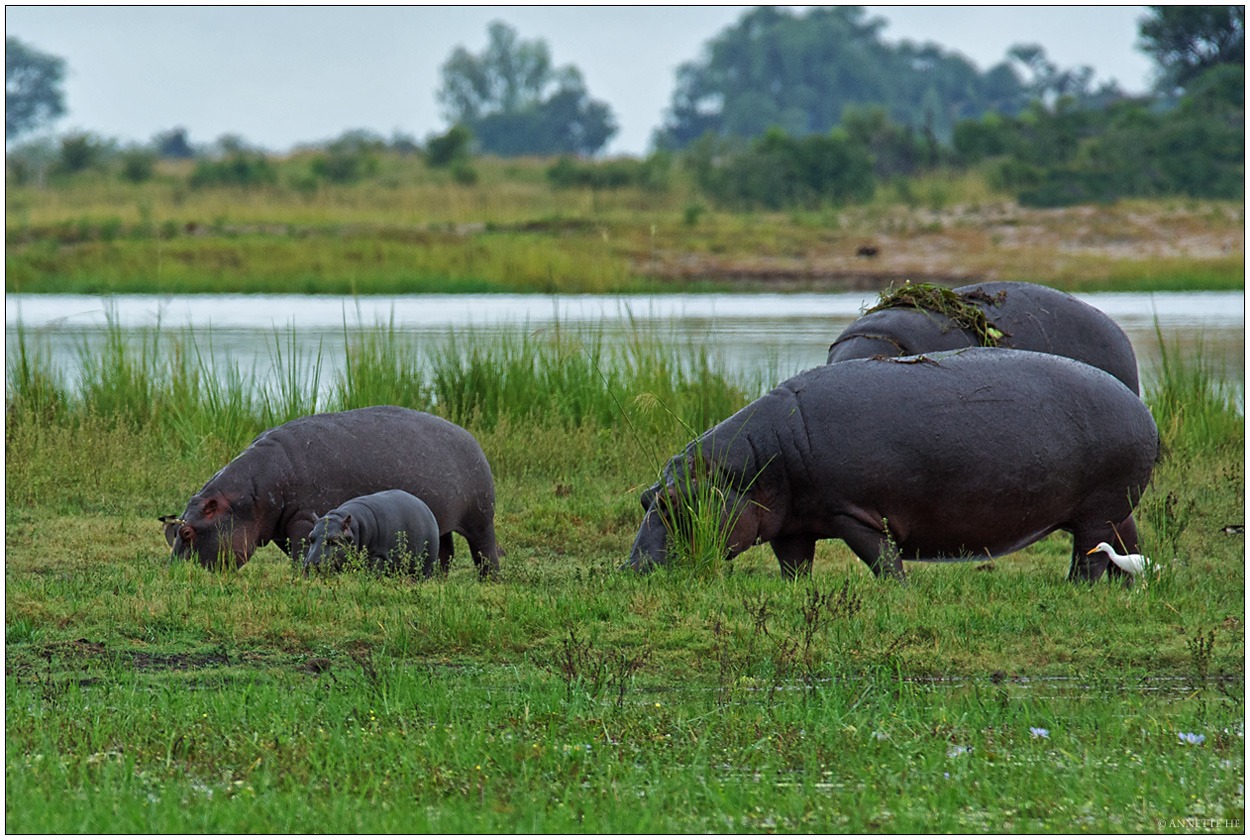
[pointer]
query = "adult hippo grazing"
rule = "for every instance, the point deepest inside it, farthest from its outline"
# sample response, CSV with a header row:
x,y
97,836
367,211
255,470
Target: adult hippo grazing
x,y
292,474
393,529
1021,316
945,456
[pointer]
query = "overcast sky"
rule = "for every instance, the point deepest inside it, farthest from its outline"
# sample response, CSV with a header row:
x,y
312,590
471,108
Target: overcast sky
x,y
279,76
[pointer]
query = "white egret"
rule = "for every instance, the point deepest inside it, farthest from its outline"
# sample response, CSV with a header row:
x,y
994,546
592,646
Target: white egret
x,y
1134,564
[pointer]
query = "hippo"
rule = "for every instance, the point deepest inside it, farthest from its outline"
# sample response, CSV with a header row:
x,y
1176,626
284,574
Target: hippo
x,y
943,456
386,526
1020,316
292,474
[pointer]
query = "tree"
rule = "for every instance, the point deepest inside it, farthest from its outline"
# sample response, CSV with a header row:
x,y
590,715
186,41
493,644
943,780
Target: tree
x,y
173,144
514,102
1186,41
800,72
32,88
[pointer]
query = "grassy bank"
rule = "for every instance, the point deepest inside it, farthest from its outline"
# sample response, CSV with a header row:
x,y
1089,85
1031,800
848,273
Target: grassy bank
x,y
568,696
414,230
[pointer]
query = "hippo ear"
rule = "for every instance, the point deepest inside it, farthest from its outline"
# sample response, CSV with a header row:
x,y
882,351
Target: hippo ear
x,y
210,507
347,522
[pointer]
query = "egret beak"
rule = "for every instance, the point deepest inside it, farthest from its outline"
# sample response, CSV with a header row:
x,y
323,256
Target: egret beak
x,y
1092,550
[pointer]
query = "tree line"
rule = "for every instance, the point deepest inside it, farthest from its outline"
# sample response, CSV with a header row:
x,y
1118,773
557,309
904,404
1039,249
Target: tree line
x,y
781,109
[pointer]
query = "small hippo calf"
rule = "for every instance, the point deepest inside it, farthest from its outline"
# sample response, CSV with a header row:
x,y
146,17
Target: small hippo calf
x,y
393,528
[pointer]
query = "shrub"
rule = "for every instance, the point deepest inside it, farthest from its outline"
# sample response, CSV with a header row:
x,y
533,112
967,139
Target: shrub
x,y
79,152
782,171
241,169
137,165
448,148
650,174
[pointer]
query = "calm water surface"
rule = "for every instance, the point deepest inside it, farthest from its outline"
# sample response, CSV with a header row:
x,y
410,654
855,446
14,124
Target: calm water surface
x,y
781,334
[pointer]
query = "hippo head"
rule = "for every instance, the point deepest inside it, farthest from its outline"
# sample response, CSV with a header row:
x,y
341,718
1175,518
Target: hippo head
x,y
696,509
332,542
220,532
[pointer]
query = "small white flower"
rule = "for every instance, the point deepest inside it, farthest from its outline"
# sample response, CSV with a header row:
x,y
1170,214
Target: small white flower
x,y
1191,738
1038,732
957,750
879,736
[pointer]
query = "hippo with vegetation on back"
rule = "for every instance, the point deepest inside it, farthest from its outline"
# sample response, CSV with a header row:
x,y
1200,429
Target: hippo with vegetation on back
x,y
292,474
393,529
922,318
943,456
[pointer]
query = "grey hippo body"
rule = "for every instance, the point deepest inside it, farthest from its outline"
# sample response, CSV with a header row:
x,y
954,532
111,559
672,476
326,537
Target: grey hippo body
x,y
1029,316
393,528
959,455
292,474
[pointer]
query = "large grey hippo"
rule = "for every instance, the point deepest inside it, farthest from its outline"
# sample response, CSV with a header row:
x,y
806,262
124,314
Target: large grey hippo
x,y
1021,316
292,474
394,530
953,455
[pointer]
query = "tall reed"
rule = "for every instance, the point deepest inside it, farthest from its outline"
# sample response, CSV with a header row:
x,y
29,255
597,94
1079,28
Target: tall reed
x,y
34,390
1194,408
380,368
551,377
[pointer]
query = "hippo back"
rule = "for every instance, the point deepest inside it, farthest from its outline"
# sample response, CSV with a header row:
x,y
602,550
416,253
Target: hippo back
x,y
1046,320
333,457
1029,317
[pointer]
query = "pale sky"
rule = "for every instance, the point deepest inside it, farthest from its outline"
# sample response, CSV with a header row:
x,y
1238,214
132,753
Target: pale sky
x,y
279,76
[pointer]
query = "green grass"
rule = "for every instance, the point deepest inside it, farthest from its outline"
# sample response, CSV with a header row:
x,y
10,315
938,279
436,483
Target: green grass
x,y
569,696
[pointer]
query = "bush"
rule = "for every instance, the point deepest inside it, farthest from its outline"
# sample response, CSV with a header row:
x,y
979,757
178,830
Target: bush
x,y
238,170
137,165
448,148
650,174
781,171
345,167
79,152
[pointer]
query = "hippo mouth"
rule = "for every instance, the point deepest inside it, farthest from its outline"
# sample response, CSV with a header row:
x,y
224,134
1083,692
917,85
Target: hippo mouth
x,y
650,547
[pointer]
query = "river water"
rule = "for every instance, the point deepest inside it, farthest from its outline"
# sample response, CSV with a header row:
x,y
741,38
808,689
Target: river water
x,y
776,333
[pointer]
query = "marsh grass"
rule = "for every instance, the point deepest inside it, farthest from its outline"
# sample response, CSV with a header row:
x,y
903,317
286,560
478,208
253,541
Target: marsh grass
x,y
1193,406
568,377
144,695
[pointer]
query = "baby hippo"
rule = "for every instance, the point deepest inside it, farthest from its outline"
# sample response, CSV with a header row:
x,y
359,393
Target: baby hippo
x,y
393,528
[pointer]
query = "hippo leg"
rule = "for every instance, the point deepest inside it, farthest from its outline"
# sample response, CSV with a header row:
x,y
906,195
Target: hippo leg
x,y
446,549
871,546
484,551
1087,567
795,553
297,539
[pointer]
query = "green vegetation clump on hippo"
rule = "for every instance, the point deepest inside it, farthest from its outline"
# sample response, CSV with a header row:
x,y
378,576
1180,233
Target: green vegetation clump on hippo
x,y
946,302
